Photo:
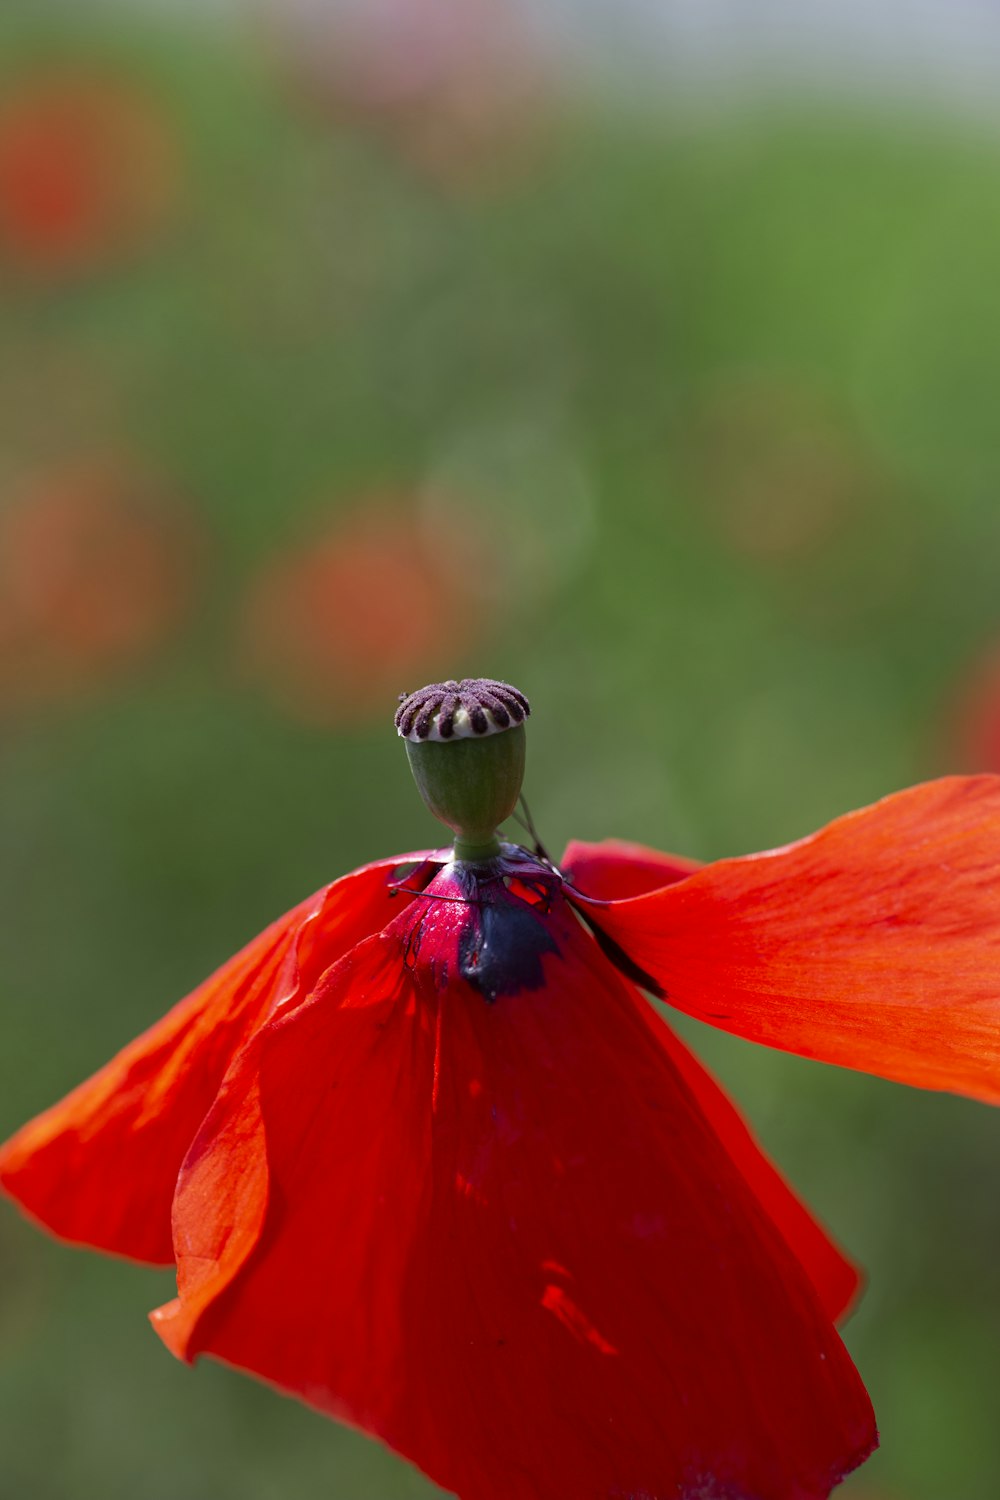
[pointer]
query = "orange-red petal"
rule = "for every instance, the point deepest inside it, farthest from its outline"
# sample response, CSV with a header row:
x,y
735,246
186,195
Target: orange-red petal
x,y
874,943
835,1277
614,869
505,1239
100,1167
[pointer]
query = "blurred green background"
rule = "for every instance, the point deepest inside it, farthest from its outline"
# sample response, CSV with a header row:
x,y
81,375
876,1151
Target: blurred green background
x,y
331,364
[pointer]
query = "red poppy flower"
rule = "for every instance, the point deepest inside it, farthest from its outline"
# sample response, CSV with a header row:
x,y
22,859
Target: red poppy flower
x,y
330,627
436,1166
973,738
95,570
87,169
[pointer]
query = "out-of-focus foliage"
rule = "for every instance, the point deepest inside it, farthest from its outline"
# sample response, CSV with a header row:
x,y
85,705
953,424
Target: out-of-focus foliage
x,y
318,384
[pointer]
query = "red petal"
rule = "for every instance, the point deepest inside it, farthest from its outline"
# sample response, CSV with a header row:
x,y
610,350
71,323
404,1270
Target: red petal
x,y
100,1167
874,944
615,869
504,1239
836,1279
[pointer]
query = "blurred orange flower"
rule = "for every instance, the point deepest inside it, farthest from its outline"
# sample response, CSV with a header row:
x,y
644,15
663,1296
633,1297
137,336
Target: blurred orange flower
x,y
334,627
88,168
778,469
975,718
94,572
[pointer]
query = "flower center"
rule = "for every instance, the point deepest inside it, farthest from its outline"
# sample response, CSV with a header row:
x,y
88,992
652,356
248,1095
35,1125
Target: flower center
x,y
466,745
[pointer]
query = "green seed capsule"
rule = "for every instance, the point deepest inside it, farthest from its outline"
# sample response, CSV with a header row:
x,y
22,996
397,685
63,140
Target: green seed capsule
x,y
465,742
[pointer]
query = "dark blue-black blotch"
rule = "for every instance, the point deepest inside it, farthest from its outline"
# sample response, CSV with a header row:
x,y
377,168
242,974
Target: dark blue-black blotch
x,y
500,949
